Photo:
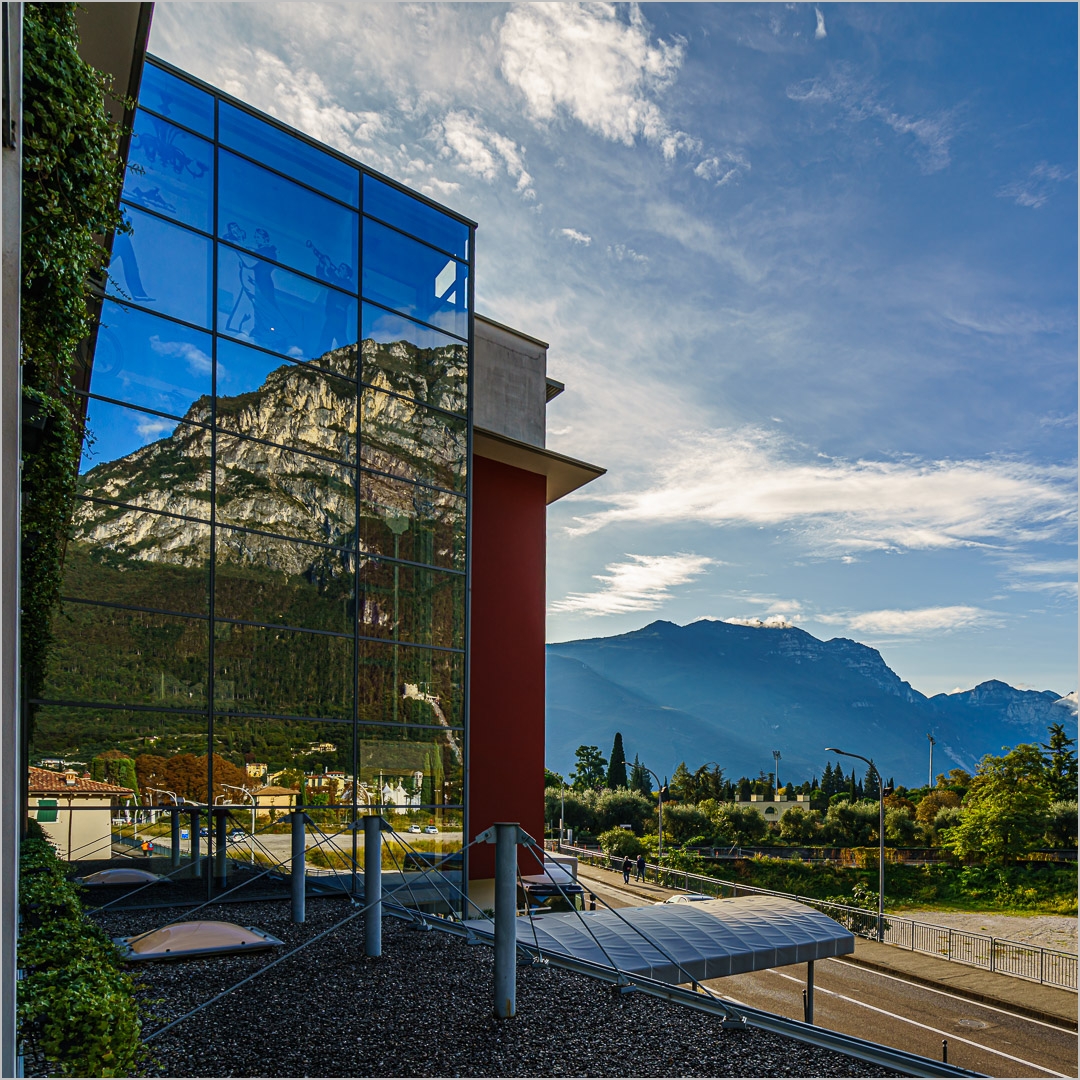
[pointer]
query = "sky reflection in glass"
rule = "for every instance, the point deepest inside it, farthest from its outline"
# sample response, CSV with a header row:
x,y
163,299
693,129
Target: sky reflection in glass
x,y
178,100
413,216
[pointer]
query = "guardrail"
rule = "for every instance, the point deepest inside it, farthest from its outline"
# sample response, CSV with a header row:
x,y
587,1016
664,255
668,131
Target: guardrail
x,y
1051,967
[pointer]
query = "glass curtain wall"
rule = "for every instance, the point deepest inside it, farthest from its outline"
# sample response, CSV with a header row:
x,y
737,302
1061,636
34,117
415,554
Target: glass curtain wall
x,y
265,582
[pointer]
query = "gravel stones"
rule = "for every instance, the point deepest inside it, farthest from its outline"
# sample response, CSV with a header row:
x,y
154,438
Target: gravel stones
x,y
424,1008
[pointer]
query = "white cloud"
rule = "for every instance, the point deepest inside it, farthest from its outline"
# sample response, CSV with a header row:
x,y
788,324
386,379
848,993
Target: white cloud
x,y
622,253
584,62
198,362
577,237
723,168
857,100
481,152
918,620
819,30
150,428
771,622
838,506
1038,186
642,584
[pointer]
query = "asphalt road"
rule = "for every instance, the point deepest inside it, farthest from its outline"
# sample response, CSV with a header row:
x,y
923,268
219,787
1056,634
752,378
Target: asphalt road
x,y
890,1010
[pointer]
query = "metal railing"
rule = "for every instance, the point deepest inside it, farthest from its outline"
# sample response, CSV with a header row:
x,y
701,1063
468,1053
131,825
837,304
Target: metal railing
x,y
1051,967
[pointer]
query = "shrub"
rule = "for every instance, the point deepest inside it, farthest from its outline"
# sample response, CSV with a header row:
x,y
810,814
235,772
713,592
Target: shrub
x,y
76,1007
619,842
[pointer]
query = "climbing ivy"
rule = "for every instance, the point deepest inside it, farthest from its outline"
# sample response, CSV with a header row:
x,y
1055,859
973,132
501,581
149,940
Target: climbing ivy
x,y
72,175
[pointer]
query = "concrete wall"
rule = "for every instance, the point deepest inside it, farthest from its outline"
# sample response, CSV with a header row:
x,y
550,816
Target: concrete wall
x,y
509,382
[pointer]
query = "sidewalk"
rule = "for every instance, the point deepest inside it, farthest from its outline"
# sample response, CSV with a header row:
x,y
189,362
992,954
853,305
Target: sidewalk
x,y
1046,1003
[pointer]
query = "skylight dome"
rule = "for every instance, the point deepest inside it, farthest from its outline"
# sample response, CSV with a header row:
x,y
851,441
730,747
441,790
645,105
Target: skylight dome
x,y
183,940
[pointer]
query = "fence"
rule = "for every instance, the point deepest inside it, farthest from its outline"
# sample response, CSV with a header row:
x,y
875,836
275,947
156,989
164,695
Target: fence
x,y
1052,967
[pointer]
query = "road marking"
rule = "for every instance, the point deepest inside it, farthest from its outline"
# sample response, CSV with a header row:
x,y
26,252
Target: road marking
x,y
957,997
951,1035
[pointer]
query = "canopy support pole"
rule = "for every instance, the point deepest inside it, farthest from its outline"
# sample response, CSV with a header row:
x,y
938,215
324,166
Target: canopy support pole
x,y
809,1017
373,826
298,867
174,837
196,867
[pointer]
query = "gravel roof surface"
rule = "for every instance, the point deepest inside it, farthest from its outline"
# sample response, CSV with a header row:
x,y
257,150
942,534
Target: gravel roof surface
x,y
424,1008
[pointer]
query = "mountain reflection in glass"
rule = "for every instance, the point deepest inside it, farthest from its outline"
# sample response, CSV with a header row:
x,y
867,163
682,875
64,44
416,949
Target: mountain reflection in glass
x,y
267,547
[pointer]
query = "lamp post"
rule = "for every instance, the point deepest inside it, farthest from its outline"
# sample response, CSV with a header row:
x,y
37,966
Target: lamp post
x,y
930,782
251,835
881,837
775,774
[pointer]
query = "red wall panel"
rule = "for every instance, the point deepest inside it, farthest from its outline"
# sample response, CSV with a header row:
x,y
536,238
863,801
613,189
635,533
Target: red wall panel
x,y
506,680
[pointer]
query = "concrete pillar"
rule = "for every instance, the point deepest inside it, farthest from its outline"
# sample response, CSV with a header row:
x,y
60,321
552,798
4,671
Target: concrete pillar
x,y
221,865
298,866
373,885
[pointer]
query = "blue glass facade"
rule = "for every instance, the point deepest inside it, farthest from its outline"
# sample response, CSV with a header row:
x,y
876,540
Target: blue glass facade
x,y
268,555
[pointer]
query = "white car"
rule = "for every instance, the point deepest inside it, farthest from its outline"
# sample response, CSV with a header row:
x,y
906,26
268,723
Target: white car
x,y
433,829
687,898
414,828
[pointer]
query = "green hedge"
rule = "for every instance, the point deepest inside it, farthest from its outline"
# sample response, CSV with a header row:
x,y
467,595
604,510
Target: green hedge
x,y
76,1006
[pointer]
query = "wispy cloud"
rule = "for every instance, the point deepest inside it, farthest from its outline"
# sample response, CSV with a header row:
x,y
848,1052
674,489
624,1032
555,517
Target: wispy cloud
x,y
917,620
757,477
1036,189
642,584
858,101
198,362
482,152
819,29
584,62
150,428
577,237
724,168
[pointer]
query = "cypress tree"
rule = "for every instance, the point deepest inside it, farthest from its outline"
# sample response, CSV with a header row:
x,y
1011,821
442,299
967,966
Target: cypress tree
x,y
616,773
828,785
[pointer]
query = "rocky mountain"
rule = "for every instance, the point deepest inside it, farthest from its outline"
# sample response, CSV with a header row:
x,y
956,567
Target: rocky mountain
x,y
731,693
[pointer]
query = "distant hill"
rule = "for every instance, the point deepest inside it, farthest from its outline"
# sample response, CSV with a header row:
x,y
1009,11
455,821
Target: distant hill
x,y
718,691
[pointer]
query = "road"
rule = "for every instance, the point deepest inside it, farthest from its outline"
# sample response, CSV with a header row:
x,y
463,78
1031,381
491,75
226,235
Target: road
x,y
888,1009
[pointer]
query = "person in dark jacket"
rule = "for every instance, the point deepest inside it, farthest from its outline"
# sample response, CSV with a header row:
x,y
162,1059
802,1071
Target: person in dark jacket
x,y
641,868
626,866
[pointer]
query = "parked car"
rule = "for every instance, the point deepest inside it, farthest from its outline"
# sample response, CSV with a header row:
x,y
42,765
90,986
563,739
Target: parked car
x,y
414,828
687,898
237,834
204,830
431,829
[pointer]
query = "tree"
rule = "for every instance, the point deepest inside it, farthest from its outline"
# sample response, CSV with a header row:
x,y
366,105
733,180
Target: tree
x,y
589,773
828,785
1006,809
682,785
620,842
552,779
639,778
740,825
709,782
1059,764
744,789
616,774
932,802
870,783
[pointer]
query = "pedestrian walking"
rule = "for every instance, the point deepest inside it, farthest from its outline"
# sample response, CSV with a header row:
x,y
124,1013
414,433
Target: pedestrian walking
x,y
626,866
641,868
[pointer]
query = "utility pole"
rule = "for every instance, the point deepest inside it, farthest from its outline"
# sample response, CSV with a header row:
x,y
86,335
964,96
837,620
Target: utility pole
x,y
930,782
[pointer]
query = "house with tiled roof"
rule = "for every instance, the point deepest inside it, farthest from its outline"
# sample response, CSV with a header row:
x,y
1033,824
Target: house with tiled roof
x,y
76,812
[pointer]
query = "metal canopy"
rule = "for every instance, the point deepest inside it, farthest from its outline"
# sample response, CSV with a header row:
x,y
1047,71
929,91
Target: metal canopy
x,y
706,940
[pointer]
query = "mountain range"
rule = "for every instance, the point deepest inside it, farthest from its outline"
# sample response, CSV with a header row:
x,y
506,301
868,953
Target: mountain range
x,y
729,693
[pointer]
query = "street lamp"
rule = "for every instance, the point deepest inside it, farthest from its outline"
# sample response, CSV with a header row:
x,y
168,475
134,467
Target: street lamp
x,y
661,790
881,837
251,835
930,782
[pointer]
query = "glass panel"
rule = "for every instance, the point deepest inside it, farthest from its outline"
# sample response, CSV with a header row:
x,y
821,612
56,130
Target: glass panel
x,y
276,490
173,174
127,657
288,154
401,684
415,279
398,354
171,474
264,579
288,761
279,310
178,100
270,670
291,404
397,436
149,361
395,207
410,521
164,564
163,267
403,767
279,220
411,604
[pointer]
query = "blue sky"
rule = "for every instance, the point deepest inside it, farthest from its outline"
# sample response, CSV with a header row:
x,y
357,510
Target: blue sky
x,y
809,273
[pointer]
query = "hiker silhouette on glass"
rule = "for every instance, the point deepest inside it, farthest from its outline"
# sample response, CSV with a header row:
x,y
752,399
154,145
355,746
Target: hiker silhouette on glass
x,y
123,253
256,312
